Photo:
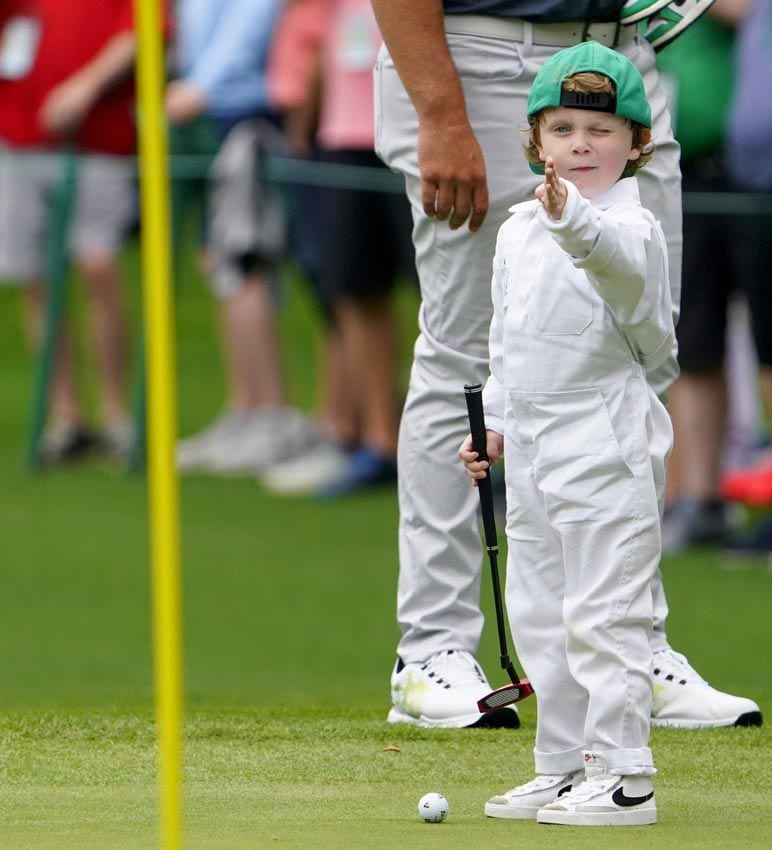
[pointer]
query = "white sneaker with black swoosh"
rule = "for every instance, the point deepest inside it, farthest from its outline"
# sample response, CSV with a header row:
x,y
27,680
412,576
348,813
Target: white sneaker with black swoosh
x,y
523,802
604,800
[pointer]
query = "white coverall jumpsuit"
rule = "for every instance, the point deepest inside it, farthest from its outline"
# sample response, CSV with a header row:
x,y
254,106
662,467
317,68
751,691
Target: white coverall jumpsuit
x,y
581,310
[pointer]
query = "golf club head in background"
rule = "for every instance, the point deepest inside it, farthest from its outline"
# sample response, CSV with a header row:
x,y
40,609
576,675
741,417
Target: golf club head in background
x,y
505,696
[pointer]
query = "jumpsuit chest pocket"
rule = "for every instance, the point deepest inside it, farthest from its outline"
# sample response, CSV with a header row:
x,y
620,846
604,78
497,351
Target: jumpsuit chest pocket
x,y
556,304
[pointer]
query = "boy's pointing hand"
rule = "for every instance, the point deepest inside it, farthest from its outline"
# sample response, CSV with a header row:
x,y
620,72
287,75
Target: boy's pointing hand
x,y
552,194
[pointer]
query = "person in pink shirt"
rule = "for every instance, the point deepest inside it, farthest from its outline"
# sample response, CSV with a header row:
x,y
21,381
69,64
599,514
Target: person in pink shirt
x,y
365,244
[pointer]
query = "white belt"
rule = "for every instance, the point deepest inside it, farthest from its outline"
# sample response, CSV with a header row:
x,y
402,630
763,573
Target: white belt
x,y
556,35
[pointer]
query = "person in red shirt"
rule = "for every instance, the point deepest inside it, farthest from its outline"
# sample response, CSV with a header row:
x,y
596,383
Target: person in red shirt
x,y
66,81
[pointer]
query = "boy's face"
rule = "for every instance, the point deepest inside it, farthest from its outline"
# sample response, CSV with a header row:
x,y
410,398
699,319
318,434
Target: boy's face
x,y
590,149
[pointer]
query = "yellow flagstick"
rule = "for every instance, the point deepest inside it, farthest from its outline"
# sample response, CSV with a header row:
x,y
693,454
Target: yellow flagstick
x,y
162,416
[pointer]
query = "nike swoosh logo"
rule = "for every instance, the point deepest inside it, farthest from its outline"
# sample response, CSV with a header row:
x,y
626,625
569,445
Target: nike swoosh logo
x,y
621,799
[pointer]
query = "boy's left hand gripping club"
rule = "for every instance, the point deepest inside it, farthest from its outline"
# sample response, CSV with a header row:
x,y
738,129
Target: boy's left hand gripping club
x,y
520,688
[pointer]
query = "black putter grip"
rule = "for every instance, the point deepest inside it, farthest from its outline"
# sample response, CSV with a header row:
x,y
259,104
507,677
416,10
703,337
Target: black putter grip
x,y
474,406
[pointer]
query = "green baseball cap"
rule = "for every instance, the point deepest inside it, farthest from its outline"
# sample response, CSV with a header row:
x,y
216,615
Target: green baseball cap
x,y
630,100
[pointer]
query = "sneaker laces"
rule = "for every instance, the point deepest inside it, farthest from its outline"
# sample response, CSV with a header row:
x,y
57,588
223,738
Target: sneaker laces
x,y
590,787
454,668
673,666
540,783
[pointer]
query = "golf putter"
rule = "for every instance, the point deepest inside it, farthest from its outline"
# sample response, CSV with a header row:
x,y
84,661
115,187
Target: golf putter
x,y
520,688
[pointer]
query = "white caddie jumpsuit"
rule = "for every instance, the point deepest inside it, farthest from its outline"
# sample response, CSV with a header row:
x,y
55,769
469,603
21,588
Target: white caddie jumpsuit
x,y
581,310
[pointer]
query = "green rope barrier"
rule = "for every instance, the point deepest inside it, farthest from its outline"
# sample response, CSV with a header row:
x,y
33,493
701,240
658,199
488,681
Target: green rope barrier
x,y
57,274
278,169
197,166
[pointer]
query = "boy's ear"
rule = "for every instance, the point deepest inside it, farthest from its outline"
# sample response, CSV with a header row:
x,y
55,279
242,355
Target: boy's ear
x,y
637,150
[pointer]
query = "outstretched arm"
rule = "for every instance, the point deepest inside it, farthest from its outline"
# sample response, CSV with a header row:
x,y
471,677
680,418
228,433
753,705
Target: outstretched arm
x,y
453,183
622,252
68,104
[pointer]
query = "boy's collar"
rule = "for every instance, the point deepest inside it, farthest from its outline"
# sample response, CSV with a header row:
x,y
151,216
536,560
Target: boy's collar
x,y
623,191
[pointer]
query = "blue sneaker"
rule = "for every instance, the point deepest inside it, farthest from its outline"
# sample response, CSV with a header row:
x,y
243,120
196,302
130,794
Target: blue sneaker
x,y
690,523
366,469
755,542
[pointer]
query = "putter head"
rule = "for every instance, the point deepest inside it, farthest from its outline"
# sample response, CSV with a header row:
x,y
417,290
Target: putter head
x,y
505,696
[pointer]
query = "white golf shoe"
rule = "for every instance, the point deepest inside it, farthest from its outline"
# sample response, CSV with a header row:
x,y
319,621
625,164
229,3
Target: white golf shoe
x,y
195,453
321,465
523,802
442,693
266,436
603,800
683,699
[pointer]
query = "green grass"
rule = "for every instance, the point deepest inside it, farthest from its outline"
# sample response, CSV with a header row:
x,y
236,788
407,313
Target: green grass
x,y
321,778
290,635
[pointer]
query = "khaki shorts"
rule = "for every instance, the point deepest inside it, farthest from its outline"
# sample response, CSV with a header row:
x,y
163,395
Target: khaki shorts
x,y
104,208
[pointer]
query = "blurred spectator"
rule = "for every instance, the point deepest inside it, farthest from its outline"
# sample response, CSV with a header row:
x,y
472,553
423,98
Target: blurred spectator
x,y
751,116
724,256
365,246
293,80
65,80
222,51
750,158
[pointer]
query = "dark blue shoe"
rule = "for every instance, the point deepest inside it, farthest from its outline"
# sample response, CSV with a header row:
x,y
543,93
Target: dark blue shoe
x,y
367,469
690,523
755,542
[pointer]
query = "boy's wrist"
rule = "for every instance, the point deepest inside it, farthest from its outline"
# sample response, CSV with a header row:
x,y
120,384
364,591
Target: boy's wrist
x,y
573,199
573,232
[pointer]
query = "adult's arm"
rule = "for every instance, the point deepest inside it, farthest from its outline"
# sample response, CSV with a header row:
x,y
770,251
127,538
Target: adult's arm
x,y
295,70
453,182
68,104
237,46
240,42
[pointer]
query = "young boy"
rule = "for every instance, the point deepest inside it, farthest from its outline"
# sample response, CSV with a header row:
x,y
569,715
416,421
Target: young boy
x,y
581,312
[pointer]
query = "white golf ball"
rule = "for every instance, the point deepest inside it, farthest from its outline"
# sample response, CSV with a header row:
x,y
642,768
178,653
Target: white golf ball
x,y
433,807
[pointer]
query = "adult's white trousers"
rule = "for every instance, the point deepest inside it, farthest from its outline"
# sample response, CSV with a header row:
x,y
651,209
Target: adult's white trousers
x,y
439,545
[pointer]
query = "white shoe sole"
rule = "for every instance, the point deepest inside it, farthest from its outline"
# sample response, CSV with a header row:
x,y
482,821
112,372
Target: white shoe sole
x,y
496,810
642,817
464,721
304,481
751,718
433,723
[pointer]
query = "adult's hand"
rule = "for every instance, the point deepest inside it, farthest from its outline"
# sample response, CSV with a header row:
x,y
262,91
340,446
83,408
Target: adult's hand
x,y
66,106
453,182
184,101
